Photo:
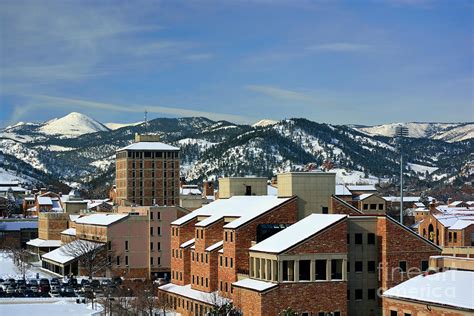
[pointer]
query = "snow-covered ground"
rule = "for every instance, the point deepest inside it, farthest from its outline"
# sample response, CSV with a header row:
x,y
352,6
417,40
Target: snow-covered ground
x,y
46,307
421,168
8,269
355,177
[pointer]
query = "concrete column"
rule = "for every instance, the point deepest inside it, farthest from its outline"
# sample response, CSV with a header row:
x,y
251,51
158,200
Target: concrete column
x,y
328,269
280,271
344,269
296,270
312,270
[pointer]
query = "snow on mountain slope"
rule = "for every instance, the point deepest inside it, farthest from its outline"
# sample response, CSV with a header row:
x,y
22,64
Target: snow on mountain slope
x,y
264,122
114,126
444,131
71,125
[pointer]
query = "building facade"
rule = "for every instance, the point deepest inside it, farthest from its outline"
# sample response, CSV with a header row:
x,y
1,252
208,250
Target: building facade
x,y
147,173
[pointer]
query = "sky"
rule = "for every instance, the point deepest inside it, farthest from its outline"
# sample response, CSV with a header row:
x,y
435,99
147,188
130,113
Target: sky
x,y
342,62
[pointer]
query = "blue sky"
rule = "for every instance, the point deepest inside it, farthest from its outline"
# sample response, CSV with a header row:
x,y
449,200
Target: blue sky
x,y
360,62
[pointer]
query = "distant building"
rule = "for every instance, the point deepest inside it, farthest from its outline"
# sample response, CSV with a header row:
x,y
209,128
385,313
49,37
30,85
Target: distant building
x,y
16,233
147,173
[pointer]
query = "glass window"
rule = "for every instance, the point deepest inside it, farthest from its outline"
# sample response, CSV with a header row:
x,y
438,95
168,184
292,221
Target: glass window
x,y
403,266
288,270
304,270
336,269
321,269
358,266
358,294
371,238
358,239
371,294
371,266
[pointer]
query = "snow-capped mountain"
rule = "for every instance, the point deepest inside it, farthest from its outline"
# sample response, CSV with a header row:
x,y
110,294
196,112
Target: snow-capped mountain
x,y
450,132
71,125
210,149
264,122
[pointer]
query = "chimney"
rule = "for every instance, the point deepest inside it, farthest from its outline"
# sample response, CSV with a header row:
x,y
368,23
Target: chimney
x,y
450,200
208,188
432,206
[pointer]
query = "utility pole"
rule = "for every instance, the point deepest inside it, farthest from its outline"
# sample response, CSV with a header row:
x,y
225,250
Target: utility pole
x,y
401,132
146,121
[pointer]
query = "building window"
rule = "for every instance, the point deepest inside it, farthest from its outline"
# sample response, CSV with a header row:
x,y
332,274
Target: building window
x,y
126,260
158,217
402,265
126,244
151,260
366,206
358,239
358,294
180,254
109,245
371,238
336,269
231,236
118,260
424,265
455,237
159,246
202,233
192,256
220,260
151,231
158,230
373,206
225,261
151,246
231,262
325,210
304,270
381,206
348,239
151,212
225,236
288,270
371,266
371,294
393,313
358,266
348,295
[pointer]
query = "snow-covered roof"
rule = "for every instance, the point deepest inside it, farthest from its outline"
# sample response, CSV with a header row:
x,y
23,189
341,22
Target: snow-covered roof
x,y
342,190
44,200
215,246
63,254
187,291
100,219
427,289
256,285
363,196
29,198
365,187
297,233
14,189
461,224
148,146
74,217
69,231
188,243
44,243
271,190
190,190
244,207
17,225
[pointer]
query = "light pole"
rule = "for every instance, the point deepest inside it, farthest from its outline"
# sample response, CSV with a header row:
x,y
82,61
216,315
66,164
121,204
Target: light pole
x,y
401,132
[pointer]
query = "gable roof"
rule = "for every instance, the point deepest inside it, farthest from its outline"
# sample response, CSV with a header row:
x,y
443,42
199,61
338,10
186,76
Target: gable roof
x,y
245,208
297,233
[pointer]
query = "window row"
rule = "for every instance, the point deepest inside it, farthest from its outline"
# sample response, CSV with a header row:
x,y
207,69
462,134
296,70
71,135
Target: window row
x,y
359,295
230,237
151,154
152,261
226,261
158,246
373,206
204,257
117,260
152,230
358,239
175,253
195,280
155,215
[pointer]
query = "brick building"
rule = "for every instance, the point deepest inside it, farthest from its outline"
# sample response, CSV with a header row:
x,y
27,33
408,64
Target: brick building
x,y
447,290
216,254
147,173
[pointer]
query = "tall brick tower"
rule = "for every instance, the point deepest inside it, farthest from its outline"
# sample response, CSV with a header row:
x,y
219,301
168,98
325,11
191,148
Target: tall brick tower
x,y
147,173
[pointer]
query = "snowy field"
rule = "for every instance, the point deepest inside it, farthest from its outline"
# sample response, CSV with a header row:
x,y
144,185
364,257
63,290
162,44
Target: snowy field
x,y
8,269
45,307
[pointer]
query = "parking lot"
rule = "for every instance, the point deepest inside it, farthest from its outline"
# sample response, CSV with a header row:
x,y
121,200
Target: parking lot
x,y
58,287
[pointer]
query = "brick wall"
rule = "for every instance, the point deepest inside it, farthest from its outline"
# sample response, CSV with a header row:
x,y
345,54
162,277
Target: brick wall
x,y
301,297
337,207
181,263
412,308
398,244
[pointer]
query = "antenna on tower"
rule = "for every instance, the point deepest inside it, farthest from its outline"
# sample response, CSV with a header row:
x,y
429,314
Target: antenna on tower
x,y
146,121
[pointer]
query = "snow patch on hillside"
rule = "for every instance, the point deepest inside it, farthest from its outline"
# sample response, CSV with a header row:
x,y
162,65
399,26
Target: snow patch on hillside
x,y
114,126
421,168
194,141
344,176
264,122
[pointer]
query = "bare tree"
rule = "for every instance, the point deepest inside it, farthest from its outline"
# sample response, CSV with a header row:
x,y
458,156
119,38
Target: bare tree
x,y
221,306
21,259
92,256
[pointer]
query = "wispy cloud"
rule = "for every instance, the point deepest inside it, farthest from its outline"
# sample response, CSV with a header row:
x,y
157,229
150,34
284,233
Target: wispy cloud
x,y
280,93
340,47
42,101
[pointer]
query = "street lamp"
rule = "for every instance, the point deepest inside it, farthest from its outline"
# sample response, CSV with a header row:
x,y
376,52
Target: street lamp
x,y
401,132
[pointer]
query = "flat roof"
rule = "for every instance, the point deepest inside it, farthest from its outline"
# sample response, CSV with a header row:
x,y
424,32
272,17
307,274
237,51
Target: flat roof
x,y
297,233
17,225
100,219
148,146
187,291
256,285
64,254
37,242
454,288
215,246
187,243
